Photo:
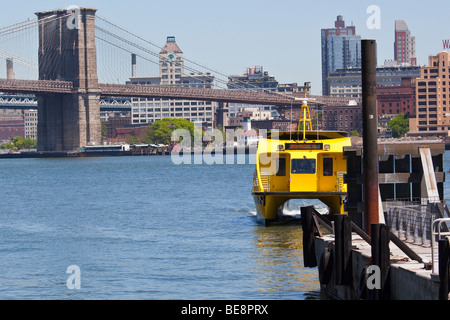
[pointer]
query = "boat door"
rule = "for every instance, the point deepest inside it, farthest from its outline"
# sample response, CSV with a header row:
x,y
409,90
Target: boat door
x,y
280,181
331,168
303,173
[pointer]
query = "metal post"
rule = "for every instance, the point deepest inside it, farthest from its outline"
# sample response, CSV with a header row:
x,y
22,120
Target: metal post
x,y
9,69
133,65
370,130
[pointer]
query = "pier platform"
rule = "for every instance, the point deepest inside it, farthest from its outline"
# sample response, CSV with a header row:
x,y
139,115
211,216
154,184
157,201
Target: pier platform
x,y
407,280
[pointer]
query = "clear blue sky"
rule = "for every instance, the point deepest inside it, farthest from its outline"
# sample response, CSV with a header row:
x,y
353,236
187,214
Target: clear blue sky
x,y
283,36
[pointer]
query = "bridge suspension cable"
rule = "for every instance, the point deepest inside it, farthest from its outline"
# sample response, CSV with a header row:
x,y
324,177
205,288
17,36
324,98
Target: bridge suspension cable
x,y
112,36
145,50
19,42
241,85
19,59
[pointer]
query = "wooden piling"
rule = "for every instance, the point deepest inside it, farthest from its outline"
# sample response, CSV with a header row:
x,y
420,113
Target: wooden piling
x,y
380,237
343,250
444,262
309,231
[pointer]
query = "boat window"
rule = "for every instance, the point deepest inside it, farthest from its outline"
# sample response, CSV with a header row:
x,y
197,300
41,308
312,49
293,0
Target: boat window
x,y
328,166
281,167
303,166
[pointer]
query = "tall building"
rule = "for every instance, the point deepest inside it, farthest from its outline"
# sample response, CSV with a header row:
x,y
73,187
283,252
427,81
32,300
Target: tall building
x,y
433,95
341,49
404,45
171,73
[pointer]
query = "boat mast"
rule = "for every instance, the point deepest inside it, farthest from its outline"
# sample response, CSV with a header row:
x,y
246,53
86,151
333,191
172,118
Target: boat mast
x,y
305,116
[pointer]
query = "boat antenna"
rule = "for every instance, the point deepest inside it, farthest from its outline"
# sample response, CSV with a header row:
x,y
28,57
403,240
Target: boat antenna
x,y
305,116
317,122
290,125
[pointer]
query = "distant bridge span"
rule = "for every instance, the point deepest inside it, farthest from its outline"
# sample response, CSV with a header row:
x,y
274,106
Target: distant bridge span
x,y
206,94
38,87
151,91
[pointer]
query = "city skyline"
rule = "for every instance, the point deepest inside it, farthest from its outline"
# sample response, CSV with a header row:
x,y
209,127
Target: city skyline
x,y
282,36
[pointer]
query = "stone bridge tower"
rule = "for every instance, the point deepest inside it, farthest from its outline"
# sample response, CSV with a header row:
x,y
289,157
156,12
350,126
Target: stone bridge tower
x,y
67,52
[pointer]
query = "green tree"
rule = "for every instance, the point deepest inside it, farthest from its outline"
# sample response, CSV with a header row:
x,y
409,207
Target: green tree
x,y
355,133
133,140
8,145
20,143
399,125
161,131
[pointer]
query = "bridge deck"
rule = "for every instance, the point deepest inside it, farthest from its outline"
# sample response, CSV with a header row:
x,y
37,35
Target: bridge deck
x,y
161,91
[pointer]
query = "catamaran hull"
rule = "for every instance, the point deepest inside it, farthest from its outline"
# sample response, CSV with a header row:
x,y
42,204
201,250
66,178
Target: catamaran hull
x,y
269,204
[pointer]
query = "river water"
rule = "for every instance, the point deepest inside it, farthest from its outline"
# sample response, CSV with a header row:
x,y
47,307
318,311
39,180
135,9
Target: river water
x,y
144,228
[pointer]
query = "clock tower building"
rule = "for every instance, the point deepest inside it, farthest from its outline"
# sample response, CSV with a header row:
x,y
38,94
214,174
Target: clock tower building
x,y
171,63
171,73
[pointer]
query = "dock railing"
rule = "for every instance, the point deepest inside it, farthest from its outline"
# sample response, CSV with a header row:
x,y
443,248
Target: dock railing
x,y
410,223
418,224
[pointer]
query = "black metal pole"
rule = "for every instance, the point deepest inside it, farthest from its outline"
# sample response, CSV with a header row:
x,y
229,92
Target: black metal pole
x,y
370,130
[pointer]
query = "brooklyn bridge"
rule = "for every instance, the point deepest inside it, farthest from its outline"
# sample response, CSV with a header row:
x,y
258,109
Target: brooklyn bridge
x,y
68,91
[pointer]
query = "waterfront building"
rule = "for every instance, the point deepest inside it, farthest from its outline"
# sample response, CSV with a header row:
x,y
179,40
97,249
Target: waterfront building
x,y
252,113
342,118
404,44
30,121
341,49
433,95
12,124
254,78
247,136
347,82
392,100
171,72
114,123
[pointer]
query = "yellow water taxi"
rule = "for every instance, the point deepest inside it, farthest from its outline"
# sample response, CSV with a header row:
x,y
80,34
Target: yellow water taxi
x,y
302,164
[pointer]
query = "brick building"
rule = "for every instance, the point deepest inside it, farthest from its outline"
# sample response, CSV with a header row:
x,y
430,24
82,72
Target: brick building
x,y
392,100
342,118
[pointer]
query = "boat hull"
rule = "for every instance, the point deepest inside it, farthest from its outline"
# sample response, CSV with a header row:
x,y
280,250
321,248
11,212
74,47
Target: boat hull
x,y
269,204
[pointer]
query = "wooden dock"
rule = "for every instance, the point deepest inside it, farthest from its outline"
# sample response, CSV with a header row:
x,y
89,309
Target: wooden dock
x,y
406,255
388,246
407,279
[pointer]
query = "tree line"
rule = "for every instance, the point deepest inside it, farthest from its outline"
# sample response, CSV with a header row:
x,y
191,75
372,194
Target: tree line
x,y
19,143
161,131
